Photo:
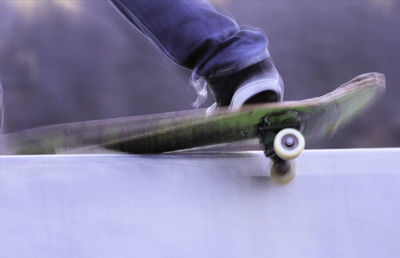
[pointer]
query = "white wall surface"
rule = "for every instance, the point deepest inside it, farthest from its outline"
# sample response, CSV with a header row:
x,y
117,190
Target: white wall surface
x,y
343,203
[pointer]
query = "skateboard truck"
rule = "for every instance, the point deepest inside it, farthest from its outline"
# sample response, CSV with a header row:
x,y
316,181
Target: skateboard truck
x,y
282,144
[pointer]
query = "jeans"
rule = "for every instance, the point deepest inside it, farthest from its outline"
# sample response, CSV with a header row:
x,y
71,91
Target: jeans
x,y
196,36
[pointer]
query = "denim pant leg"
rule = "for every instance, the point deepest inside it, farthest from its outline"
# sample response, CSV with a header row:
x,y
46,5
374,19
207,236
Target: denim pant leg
x,y
194,35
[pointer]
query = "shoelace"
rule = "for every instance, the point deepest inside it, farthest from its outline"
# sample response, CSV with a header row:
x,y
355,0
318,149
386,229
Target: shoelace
x,y
200,87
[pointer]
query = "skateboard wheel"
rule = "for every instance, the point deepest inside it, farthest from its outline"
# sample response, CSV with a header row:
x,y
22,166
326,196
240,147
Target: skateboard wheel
x,y
283,172
288,144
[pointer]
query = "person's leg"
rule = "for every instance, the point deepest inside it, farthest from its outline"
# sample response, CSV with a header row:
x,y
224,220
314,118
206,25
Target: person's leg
x,y
194,35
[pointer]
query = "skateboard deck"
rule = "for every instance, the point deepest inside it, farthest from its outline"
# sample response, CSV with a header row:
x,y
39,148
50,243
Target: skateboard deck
x,y
165,132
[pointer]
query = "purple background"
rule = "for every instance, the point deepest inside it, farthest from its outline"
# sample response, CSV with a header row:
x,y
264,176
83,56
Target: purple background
x,y
80,60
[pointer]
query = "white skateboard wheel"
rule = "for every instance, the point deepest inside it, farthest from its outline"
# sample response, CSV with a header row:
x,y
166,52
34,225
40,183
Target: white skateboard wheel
x,y
288,144
283,177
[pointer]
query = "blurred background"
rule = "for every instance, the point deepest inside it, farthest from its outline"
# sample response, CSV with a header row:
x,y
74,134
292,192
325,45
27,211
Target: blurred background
x,y
64,61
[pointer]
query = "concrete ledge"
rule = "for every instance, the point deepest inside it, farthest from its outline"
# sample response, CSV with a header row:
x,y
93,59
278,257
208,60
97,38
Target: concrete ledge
x,y
343,203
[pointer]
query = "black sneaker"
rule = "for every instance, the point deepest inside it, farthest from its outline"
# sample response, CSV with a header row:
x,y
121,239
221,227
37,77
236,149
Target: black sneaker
x,y
259,83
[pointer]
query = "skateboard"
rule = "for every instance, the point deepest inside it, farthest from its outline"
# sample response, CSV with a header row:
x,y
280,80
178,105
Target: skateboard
x,y
282,128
